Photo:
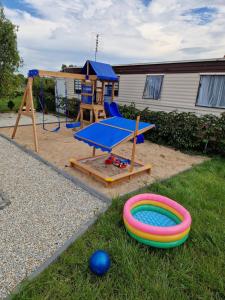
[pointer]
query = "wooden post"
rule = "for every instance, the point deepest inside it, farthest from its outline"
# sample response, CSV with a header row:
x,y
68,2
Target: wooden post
x,y
81,117
93,153
113,90
134,145
103,92
91,116
93,92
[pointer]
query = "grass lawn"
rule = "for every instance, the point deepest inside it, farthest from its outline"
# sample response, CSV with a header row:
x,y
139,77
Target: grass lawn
x,y
4,102
17,100
194,270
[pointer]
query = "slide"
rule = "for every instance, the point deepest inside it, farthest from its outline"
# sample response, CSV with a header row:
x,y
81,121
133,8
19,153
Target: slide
x,y
112,110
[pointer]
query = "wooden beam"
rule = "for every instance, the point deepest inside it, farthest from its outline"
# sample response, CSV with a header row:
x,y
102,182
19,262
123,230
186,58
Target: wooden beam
x,y
103,92
92,106
43,73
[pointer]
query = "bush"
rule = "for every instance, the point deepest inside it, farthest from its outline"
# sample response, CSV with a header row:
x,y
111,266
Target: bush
x,y
184,131
48,93
10,104
73,107
48,90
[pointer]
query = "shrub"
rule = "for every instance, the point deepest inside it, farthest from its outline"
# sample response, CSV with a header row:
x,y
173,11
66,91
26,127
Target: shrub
x,y
184,131
48,89
10,104
46,86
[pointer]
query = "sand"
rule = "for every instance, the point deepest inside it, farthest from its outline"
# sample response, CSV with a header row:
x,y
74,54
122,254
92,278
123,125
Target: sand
x,y
59,147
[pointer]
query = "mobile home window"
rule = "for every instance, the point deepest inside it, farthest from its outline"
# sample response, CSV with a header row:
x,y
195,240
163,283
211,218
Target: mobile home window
x,y
77,86
153,86
211,91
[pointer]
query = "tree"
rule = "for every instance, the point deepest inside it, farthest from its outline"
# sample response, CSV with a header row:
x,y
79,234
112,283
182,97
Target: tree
x,y
63,67
9,55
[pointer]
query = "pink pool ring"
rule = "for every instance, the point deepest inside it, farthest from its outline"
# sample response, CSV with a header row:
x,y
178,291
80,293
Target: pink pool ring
x,y
171,221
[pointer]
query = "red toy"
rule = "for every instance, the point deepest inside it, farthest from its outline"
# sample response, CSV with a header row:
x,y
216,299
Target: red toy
x,y
110,160
120,163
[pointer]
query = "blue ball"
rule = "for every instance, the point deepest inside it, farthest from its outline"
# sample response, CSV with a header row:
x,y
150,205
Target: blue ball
x,y
99,262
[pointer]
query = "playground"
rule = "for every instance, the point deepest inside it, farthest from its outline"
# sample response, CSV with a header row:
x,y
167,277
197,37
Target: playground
x,y
83,150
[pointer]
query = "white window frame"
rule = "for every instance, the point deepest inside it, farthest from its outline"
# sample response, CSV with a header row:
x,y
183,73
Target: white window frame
x,y
153,74
208,74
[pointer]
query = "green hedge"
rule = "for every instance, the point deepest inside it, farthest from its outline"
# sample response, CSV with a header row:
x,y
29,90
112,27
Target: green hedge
x,y
184,131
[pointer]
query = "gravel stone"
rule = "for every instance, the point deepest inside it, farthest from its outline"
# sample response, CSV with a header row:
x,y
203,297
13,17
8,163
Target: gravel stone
x,y
45,211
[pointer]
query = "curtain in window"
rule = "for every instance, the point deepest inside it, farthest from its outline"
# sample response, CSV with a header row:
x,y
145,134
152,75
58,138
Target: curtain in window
x,y
212,91
153,86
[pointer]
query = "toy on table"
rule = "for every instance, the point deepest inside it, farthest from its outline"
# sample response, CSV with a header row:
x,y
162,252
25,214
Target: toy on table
x,y
116,161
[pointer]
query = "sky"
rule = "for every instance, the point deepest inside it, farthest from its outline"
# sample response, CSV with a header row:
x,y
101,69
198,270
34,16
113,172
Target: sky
x,y
56,32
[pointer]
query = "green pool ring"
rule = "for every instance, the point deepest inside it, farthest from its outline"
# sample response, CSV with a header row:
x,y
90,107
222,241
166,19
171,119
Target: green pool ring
x,y
158,209
158,244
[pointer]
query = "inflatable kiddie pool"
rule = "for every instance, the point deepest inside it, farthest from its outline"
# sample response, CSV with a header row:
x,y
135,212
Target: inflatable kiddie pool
x,y
156,220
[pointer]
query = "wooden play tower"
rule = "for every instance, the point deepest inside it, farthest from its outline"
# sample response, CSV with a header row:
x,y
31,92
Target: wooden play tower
x,y
93,91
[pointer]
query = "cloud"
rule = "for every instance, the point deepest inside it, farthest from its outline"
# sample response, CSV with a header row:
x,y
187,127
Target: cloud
x,y
55,32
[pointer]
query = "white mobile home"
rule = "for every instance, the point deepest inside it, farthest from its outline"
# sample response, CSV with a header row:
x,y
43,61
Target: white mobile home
x,y
192,86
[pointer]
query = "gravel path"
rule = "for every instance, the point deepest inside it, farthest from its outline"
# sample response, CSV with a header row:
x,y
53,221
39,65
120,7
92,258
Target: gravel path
x,y
46,210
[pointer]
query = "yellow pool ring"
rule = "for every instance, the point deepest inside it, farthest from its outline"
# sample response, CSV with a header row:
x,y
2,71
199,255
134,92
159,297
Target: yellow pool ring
x,y
154,237
160,204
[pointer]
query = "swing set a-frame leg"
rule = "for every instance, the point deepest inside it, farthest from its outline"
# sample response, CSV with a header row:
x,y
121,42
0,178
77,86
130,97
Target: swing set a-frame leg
x,y
78,117
28,102
20,112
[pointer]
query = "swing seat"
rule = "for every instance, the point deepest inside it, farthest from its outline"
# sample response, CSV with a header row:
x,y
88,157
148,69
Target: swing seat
x,y
73,125
55,129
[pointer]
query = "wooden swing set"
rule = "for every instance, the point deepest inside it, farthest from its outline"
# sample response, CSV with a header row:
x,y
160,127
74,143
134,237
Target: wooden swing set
x,y
92,90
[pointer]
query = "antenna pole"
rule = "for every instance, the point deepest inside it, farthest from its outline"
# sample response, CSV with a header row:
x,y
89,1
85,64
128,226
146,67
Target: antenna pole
x,y
96,45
